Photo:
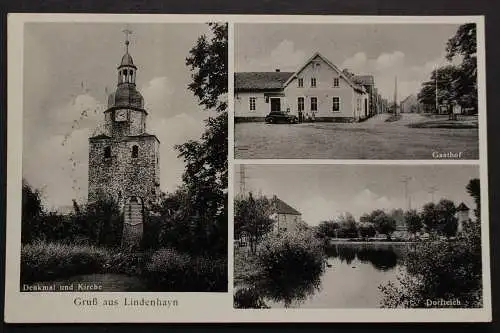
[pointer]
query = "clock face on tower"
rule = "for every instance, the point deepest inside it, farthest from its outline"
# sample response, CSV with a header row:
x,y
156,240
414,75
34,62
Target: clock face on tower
x,y
121,115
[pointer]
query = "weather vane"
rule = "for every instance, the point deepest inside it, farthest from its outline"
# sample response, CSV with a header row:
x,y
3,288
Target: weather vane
x,y
127,32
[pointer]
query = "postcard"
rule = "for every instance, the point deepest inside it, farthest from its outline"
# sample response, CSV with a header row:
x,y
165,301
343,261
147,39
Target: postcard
x,y
244,168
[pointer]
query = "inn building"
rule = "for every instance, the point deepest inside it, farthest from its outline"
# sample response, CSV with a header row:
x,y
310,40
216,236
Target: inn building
x,y
318,90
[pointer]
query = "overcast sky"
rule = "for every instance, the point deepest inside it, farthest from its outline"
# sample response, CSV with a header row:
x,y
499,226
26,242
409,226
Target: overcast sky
x,y
321,192
408,51
67,69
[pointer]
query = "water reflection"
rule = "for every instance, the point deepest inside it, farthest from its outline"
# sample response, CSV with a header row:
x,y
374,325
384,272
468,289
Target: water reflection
x,y
347,262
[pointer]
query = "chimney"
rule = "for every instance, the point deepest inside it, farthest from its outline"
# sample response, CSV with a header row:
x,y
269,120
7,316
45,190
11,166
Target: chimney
x,y
277,69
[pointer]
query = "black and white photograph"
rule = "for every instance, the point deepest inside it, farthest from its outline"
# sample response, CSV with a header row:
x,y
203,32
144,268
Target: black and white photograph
x,y
356,91
357,236
124,157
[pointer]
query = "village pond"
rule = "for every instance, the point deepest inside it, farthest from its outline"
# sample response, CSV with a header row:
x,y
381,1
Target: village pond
x,y
351,279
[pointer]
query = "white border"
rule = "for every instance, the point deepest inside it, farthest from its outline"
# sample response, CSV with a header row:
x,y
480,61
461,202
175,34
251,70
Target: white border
x,y
211,307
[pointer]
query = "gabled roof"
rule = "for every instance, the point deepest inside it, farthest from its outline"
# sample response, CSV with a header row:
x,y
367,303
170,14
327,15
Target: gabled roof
x,y
282,207
329,63
364,79
462,207
251,81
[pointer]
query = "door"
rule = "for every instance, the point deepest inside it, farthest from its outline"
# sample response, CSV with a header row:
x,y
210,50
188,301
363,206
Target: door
x,y
275,104
133,212
366,107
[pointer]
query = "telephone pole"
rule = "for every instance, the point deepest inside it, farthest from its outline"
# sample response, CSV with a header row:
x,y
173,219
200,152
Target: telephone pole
x,y
242,180
436,88
431,191
406,180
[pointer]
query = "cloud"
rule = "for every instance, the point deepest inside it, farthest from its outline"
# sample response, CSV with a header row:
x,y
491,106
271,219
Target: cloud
x,y
390,61
357,63
158,94
284,57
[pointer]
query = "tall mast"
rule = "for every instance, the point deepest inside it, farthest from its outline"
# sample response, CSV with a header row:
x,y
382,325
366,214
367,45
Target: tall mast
x,y
395,95
436,87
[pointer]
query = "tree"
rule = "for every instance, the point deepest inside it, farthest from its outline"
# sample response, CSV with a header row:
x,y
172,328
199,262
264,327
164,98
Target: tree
x,y
446,76
348,227
205,175
385,224
252,217
413,221
446,217
464,44
367,230
31,213
474,190
327,229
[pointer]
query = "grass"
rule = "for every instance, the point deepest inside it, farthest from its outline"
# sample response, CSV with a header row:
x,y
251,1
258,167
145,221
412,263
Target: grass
x,y
451,124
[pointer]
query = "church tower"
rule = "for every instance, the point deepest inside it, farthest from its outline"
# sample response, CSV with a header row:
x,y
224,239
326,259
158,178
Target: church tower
x,y
124,160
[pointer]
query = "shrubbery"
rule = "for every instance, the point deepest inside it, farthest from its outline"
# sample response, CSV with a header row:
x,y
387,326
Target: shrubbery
x,y
42,261
290,266
170,270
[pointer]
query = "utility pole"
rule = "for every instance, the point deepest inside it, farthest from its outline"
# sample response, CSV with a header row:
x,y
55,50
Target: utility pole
x,y
242,180
436,87
406,180
395,95
432,190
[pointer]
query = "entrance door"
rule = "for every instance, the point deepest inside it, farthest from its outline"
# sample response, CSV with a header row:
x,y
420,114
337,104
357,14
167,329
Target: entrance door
x,y
275,104
133,212
366,107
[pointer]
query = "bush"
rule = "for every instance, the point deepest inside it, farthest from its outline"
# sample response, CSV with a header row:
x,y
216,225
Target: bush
x,y
440,270
247,298
290,266
170,270
42,261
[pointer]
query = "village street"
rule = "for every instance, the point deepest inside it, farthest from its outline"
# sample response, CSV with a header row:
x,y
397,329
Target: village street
x,y
372,139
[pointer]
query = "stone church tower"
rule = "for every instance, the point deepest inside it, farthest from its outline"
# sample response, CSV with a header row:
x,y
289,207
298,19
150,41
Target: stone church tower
x,y
124,160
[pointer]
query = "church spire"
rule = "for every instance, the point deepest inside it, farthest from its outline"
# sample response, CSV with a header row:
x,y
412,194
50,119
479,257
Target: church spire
x,y
127,69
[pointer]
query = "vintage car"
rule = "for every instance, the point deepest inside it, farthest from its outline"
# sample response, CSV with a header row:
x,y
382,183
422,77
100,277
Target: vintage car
x,y
276,117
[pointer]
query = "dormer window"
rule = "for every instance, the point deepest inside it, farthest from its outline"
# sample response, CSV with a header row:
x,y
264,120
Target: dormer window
x,y
135,151
107,152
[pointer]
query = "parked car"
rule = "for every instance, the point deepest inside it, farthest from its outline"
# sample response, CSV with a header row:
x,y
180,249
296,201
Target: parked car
x,y
276,117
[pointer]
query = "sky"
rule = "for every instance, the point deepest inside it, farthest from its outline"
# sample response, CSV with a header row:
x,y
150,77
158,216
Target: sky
x,y
408,51
71,67
323,192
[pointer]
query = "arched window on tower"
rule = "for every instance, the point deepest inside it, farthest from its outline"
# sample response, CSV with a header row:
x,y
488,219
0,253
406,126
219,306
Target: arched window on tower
x,y
135,151
130,73
107,152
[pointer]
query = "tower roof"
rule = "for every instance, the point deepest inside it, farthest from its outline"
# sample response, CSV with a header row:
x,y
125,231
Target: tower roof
x,y
462,207
127,60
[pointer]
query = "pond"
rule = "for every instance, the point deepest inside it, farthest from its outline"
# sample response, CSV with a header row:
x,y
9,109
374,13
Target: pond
x,y
352,277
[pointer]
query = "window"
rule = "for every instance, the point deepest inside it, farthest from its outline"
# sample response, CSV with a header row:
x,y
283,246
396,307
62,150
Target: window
x,y
135,151
301,82
313,82
252,103
336,82
314,104
336,104
300,103
107,152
